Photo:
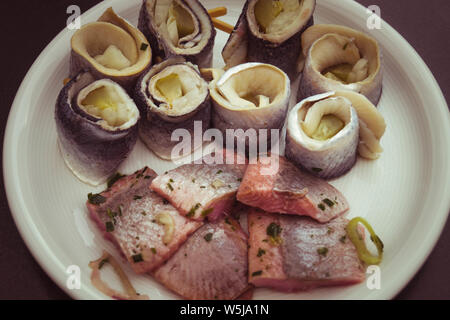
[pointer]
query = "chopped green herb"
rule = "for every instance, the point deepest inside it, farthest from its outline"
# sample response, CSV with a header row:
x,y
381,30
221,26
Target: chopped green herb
x,y
120,210
165,201
227,220
143,213
193,180
101,264
345,46
147,177
113,179
321,206
136,197
273,230
96,198
208,237
110,213
170,187
137,258
330,230
322,251
203,187
343,238
153,250
191,212
207,211
260,252
144,46
171,180
109,226
316,169
239,179
257,273
219,172
328,202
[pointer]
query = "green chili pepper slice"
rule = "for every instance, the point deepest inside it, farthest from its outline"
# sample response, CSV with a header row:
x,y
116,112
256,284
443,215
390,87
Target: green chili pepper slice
x,y
363,253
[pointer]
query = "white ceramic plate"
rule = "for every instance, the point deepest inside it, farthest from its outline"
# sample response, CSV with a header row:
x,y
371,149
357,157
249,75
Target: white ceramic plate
x,y
404,194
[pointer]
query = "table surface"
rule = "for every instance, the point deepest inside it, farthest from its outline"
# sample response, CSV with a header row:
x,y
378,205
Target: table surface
x,y
35,23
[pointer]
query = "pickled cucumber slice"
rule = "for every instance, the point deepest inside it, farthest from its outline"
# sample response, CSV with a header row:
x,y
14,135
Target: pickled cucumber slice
x,y
340,71
266,11
104,102
328,127
113,58
170,87
179,23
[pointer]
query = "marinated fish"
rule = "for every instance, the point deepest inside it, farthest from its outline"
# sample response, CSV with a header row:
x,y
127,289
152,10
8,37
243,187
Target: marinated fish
x,y
322,135
279,186
145,227
210,265
178,28
340,58
201,190
172,95
96,123
110,48
291,253
251,96
269,31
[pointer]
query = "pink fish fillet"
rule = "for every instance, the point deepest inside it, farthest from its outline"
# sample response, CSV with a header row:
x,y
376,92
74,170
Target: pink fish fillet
x,y
211,264
305,254
202,190
279,186
128,217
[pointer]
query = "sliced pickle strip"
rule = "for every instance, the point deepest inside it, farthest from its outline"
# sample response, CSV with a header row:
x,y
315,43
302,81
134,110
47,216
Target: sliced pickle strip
x,y
170,87
328,127
356,238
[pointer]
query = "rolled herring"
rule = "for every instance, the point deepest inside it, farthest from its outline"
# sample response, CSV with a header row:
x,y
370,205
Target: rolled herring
x,y
178,27
110,48
269,31
325,131
171,95
250,96
340,58
96,123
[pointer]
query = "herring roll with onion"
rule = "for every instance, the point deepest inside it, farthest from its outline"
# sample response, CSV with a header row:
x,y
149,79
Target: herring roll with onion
x,y
340,58
110,48
325,132
178,28
250,96
269,31
171,95
96,123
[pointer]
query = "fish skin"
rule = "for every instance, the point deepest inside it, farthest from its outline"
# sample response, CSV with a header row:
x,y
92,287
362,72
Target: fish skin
x,y
289,190
295,264
209,270
134,228
187,182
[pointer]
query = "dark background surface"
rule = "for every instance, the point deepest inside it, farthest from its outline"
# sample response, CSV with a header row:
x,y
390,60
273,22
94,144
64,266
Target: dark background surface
x,y
28,26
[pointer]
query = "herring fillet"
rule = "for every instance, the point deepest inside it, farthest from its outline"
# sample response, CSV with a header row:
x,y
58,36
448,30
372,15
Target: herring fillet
x,y
289,190
211,264
136,231
310,255
201,190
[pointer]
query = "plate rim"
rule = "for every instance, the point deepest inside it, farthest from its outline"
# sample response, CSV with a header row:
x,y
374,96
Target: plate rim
x,y
48,260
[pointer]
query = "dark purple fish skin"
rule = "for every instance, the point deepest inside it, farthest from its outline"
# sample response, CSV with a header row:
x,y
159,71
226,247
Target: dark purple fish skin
x,y
284,55
97,150
156,131
136,232
160,49
319,254
211,264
